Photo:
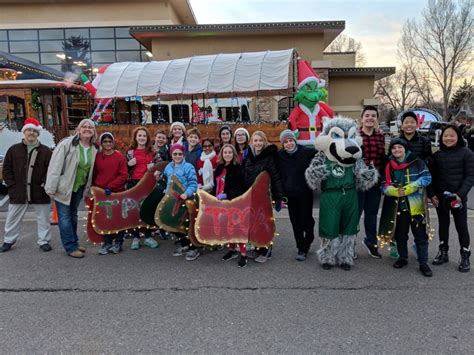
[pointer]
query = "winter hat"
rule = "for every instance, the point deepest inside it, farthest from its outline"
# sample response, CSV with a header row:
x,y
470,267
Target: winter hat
x,y
225,127
410,114
31,123
178,124
106,135
286,134
175,147
307,74
242,129
400,141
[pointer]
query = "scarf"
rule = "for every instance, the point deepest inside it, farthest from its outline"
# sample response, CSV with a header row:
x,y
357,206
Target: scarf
x,y
397,167
207,170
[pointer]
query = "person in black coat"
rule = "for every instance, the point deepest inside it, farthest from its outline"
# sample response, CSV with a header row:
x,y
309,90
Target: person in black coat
x,y
229,184
293,160
263,157
417,144
453,177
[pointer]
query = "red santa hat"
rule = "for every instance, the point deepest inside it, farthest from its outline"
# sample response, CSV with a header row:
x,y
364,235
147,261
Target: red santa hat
x,y
307,74
31,123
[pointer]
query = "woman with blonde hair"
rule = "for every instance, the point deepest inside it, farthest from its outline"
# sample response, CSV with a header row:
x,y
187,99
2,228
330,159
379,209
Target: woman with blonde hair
x,y
263,156
69,177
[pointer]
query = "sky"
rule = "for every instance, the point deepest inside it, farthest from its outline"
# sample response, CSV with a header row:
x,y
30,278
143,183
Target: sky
x,y
375,23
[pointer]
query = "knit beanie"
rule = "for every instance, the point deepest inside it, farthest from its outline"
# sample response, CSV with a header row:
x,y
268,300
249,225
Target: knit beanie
x,y
177,147
287,133
178,124
106,135
242,129
400,141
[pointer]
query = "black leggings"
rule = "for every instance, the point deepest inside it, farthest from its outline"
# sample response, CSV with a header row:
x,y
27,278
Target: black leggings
x,y
460,222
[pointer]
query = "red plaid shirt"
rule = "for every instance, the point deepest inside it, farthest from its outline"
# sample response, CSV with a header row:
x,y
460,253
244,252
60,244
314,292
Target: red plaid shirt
x,y
373,149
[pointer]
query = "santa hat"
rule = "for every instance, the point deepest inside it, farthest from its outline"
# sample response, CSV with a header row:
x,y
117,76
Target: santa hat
x,y
31,123
306,74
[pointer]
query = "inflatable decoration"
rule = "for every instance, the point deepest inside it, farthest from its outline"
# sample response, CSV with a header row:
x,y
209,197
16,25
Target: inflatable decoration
x,y
121,210
307,115
245,219
103,111
172,213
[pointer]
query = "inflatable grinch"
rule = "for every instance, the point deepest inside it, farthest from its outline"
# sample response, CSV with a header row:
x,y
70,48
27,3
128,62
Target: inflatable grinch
x,y
306,118
338,171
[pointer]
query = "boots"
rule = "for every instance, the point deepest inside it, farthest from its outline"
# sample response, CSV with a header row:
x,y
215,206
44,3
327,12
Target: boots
x,y
442,256
465,265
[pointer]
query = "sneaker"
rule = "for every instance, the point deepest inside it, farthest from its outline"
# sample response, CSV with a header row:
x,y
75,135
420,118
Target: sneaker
x,y
301,256
231,254
401,262
393,251
46,247
372,249
164,235
181,251
441,258
104,250
345,266
115,248
425,270
243,261
76,254
151,243
6,247
192,255
135,244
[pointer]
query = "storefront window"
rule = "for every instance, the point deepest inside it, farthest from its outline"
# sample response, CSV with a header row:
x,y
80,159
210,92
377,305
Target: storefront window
x,y
103,57
76,32
51,46
128,56
180,113
26,46
102,44
21,35
127,44
51,34
102,33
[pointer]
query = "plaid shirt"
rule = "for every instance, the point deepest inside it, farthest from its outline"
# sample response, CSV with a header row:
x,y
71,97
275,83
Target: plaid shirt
x,y
373,149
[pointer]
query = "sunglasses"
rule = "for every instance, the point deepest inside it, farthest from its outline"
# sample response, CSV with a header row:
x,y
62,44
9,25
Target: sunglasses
x,y
177,154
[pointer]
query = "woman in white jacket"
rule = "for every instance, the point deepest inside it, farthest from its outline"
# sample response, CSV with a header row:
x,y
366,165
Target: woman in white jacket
x,y
69,176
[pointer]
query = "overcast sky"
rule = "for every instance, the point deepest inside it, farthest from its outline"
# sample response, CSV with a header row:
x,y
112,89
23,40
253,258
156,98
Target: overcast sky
x,y
376,23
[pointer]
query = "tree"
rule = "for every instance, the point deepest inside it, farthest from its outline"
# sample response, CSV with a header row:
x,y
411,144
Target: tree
x,y
440,45
344,43
464,92
399,91
76,54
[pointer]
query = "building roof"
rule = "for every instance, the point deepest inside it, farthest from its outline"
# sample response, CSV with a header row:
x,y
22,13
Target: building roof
x,y
330,29
40,84
31,70
377,72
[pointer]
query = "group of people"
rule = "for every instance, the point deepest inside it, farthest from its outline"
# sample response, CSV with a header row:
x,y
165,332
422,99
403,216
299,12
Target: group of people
x,y
226,168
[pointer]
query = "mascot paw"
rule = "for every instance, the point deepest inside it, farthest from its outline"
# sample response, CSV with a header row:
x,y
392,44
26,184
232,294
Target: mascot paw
x,y
366,176
316,172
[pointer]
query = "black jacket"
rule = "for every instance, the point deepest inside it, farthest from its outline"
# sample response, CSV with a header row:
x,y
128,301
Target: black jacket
x,y
420,146
234,180
267,160
453,171
292,168
15,174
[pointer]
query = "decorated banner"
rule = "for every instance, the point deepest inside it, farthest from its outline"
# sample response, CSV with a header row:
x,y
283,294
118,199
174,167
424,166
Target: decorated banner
x,y
93,236
121,210
193,209
388,220
245,219
149,205
172,213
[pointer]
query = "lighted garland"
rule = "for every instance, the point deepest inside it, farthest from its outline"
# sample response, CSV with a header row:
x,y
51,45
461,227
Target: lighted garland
x,y
36,101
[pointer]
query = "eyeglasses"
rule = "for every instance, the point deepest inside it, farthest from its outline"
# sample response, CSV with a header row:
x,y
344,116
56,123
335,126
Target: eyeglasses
x,y
87,127
177,154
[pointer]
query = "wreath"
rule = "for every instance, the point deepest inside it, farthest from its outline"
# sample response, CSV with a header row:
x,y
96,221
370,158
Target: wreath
x,y
36,101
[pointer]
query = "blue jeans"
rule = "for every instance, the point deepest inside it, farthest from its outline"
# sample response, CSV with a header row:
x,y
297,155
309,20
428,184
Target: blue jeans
x,y
67,221
369,204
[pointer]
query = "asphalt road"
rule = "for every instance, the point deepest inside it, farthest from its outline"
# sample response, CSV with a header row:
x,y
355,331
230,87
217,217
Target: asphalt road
x,y
149,301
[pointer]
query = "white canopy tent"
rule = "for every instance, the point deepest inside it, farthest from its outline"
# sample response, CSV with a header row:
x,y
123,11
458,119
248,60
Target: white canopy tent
x,y
221,75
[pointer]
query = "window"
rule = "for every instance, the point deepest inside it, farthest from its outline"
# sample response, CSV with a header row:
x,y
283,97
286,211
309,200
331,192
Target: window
x,y
128,56
160,113
21,35
102,33
3,36
50,58
180,113
122,32
103,57
51,46
4,46
83,32
102,44
34,57
127,44
26,46
51,34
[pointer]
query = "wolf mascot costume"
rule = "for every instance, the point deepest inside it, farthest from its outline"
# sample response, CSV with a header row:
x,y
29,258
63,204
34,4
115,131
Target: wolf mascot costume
x,y
338,170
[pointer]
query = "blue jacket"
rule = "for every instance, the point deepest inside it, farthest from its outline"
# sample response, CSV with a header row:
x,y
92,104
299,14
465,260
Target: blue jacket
x,y
186,174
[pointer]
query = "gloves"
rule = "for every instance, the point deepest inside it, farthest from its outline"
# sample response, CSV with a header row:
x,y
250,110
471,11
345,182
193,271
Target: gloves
x,y
278,205
108,191
221,196
410,188
391,191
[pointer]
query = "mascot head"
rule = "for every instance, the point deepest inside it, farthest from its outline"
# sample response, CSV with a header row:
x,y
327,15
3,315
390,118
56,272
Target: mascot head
x,y
310,87
339,141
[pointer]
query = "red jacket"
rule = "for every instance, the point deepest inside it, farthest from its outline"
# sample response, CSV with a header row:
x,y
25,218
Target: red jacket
x,y
110,171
